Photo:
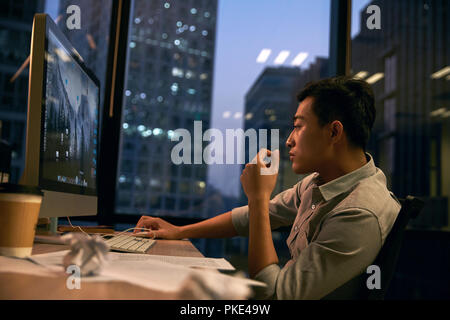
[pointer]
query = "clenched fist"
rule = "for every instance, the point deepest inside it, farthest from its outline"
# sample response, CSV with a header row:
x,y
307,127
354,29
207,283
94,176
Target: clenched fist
x,y
258,179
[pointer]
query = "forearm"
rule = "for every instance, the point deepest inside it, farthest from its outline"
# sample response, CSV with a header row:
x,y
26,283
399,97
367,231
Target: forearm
x,y
261,251
220,226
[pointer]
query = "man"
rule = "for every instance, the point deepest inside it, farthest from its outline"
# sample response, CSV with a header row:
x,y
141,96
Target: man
x,y
340,214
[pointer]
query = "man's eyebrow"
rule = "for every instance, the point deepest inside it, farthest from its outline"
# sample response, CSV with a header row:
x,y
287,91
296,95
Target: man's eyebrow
x,y
299,117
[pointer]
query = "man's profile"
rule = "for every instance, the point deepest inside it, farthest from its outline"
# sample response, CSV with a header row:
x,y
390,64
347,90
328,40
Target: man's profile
x,y
340,213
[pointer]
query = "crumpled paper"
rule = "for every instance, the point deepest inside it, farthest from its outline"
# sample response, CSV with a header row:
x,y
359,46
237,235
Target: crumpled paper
x,y
209,285
89,253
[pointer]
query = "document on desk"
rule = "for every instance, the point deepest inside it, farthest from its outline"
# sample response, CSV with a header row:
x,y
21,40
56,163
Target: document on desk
x,y
149,271
25,266
166,277
192,262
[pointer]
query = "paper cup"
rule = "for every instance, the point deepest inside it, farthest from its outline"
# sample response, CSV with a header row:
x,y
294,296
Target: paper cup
x,y
19,212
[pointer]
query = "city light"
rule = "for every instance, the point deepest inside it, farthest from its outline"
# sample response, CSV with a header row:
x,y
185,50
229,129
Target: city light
x,y
147,133
361,75
300,58
174,87
238,115
157,131
282,56
201,184
441,73
248,116
226,114
374,78
177,72
263,55
91,41
437,112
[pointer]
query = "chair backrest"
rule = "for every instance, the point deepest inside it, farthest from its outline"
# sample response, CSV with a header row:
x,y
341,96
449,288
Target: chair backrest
x,y
388,255
386,260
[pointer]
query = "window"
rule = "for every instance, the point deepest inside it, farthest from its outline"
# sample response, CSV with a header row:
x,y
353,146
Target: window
x,y
198,62
407,62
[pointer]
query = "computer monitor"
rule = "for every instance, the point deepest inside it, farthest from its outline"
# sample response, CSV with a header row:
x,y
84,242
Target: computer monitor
x,y
62,124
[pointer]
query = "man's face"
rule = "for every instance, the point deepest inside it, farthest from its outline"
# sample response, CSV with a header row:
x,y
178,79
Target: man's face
x,y
308,144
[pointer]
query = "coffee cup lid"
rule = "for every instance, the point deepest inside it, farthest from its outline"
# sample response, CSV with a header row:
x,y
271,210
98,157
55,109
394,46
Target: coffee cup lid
x,y
17,188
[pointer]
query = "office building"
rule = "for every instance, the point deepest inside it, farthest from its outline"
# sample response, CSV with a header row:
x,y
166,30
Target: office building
x,y
271,104
15,33
412,132
168,86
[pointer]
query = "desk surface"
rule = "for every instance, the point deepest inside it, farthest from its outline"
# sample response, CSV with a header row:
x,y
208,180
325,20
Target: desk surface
x,y
23,286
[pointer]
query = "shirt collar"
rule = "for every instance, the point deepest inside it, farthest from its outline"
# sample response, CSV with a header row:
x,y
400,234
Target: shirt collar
x,y
339,185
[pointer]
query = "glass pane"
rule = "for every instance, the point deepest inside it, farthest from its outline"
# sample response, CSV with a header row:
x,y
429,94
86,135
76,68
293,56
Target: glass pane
x,y
402,49
219,65
16,20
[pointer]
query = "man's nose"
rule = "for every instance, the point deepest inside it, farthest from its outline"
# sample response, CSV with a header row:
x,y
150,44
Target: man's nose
x,y
290,141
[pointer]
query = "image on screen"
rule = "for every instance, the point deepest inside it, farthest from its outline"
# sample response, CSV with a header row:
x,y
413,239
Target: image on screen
x,y
69,146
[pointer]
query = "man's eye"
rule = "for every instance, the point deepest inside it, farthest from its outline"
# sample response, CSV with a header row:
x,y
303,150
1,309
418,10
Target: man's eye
x,y
297,126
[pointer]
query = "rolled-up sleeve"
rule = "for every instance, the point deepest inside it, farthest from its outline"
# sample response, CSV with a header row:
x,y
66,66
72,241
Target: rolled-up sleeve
x,y
347,243
282,211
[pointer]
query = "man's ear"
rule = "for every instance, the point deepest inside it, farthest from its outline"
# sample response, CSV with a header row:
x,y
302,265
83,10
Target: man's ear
x,y
337,130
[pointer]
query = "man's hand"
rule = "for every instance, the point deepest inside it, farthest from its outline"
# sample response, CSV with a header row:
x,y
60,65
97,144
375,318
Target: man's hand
x,y
258,180
160,228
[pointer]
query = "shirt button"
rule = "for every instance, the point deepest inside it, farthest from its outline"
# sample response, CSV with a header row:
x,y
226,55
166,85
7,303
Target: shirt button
x,y
313,206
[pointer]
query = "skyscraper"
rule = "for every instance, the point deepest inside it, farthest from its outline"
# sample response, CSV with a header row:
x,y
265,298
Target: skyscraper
x,y
271,103
407,62
168,86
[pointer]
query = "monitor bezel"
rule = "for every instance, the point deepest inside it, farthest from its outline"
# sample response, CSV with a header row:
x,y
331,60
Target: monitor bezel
x,y
48,184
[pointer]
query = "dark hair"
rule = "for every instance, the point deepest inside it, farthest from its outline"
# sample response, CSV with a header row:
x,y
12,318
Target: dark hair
x,y
348,100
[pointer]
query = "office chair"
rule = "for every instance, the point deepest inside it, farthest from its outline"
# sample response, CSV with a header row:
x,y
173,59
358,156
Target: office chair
x,y
356,288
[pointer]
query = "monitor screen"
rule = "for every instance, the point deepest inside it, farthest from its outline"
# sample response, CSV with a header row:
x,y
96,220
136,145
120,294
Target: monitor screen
x,y
69,121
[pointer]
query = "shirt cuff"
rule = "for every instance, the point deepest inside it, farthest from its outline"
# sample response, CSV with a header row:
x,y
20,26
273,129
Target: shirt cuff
x,y
239,218
269,276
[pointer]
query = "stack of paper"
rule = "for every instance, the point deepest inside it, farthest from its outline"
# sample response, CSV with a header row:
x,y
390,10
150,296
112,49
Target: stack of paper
x,y
162,273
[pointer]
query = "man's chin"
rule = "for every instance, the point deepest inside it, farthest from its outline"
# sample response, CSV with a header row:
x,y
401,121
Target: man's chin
x,y
298,169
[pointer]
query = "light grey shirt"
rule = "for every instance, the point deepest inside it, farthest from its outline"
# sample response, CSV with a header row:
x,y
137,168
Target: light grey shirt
x,y
338,229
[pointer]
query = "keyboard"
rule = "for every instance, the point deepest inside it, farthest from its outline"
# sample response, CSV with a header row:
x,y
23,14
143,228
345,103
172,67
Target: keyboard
x,y
128,243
